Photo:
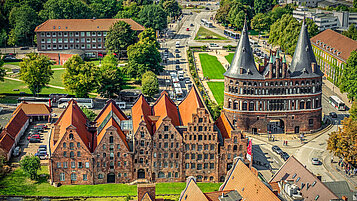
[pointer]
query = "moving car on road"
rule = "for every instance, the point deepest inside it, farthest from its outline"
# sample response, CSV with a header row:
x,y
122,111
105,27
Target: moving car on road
x,y
34,140
333,114
285,156
315,161
277,149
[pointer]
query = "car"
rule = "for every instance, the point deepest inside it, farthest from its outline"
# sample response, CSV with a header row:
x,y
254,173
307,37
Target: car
x,y
178,67
177,55
24,48
188,82
277,149
187,29
315,161
177,51
34,140
285,156
41,154
34,136
177,61
43,146
16,151
213,45
333,114
192,25
207,8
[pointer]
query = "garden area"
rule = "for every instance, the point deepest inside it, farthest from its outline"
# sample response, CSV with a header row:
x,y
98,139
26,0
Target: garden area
x,y
230,57
211,67
205,34
217,88
17,183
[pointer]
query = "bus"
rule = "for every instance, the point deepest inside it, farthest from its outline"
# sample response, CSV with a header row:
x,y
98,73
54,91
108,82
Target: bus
x,y
207,23
231,34
38,100
82,102
337,103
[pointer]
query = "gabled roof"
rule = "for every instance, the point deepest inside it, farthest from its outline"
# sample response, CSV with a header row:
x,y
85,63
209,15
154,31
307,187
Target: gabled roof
x,y
16,122
6,142
342,45
192,192
84,25
189,106
146,197
110,123
224,126
73,116
312,185
300,66
165,107
110,106
248,185
243,64
31,109
141,111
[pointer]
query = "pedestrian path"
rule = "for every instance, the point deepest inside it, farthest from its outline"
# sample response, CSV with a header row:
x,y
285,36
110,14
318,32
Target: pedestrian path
x,y
337,91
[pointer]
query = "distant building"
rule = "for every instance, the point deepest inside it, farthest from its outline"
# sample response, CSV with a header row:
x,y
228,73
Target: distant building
x,y
327,19
81,34
308,3
332,51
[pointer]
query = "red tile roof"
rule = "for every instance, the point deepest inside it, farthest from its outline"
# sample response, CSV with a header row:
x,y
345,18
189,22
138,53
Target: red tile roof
x,y
192,192
224,126
189,106
141,111
6,142
110,123
110,106
214,196
248,185
165,107
16,122
33,109
291,167
339,42
84,25
74,116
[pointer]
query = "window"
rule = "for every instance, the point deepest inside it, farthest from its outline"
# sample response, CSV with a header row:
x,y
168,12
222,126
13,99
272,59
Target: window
x,y
71,154
166,136
187,165
205,166
200,136
193,156
311,122
58,164
80,165
100,176
166,145
71,136
111,139
78,154
161,175
62,177
199,166
85,177
104,147
65,165
193,165
82,34
199,147
211,165
104,155
87,164
212,146
73,164
244,106
199,156
64,145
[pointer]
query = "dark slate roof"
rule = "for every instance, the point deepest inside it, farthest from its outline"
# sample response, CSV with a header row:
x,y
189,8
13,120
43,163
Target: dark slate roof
x,y
243,58
300,66
340,188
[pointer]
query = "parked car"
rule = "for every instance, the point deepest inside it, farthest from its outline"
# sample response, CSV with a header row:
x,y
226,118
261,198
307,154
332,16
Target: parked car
x,y
187,29
188,81
41,154
177,51
177,55
33,136
177,61
178,67
24,48
333,114
192,25
16,151
34,140
285,156
277,149
315,161
43,146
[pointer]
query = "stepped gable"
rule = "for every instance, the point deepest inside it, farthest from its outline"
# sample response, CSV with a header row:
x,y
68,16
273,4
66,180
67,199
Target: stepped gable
x,y
312,188
300,66
141,111
72,116
165,107
243,64
224,126
248,185
110,123
189,106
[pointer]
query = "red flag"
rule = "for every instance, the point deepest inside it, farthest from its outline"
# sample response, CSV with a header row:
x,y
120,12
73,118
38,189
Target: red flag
x,y
249,150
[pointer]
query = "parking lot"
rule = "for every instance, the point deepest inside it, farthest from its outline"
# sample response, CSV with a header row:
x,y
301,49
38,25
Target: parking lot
x,y
28,147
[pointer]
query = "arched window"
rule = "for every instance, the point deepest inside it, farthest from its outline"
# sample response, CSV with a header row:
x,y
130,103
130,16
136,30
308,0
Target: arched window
x,y
235,105
71,145
235,140
71,136
111,139
161,175
245,105
229,148
172,136
229,103
251,106
166,136
235,148
302,105
317,103
308,104
78,144
71,154
73,177
160,136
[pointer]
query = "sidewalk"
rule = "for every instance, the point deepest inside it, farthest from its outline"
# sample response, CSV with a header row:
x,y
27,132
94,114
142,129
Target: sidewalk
x,y
337,91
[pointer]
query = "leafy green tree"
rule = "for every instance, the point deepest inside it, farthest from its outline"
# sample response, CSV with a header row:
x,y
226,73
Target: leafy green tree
x,y
23,21
348,81
351,32
119,37
13,39
312,28
143,56
260,22
80,77
171,7
150,84
153,16
130,11
150,35
65,9
30,165
110,78
353,111
343,143
105,8
89,113
36,72
262,6
238,14
2,70
222,12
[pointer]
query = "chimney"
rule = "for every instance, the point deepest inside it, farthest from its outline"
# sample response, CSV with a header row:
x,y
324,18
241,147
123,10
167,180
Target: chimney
x,y
146,188
285,67
313,67
344,198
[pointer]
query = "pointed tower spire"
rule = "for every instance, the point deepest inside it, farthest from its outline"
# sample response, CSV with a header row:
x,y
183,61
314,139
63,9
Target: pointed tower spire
x,y
277,54
284,59
243,60
271,60
303,56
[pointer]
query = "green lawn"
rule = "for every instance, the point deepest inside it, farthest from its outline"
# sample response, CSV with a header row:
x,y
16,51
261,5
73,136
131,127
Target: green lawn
x,y
230,57
205,34
217,89
18,184
9,85
211,67
57,78
16,63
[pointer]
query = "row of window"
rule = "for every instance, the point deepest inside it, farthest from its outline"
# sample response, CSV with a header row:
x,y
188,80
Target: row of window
x,y
72,40
71,154
77,33
66,47
200,137
165,164
169,175
199,156
166,155
274,91
73,177
111,146
111,164
199,128
277,83
165,145
199,166
73,164
111,155
199,147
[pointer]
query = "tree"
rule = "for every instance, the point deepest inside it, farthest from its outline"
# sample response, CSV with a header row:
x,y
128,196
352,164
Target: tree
x,y
354,3
150,84
262,6
153,16
36,72
65,9
171,7
348,81
149,34
238,13
260,22
130,11
2,70
80,77
110,78
222,12
30,165
23,21
351,32
143,56
89,113
119,37
105,8
343,143
353,111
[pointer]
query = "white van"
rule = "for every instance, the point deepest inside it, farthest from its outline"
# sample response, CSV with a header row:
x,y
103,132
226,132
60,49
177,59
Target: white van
x,y
178,44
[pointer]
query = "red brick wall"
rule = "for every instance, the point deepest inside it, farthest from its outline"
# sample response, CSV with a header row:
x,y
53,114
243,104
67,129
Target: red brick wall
x,y
59,59
146,188
146,155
